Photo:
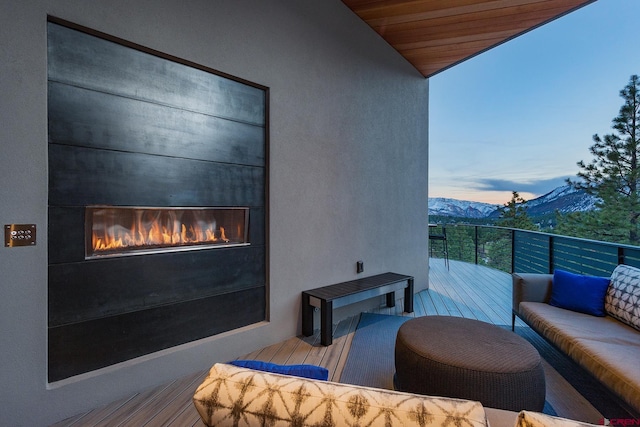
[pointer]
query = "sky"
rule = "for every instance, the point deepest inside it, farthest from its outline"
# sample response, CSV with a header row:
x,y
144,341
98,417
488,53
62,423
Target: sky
x,y
521,115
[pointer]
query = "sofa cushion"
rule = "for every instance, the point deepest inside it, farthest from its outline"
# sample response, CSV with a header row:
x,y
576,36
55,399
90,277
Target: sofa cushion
x,y
578,292
536,419
305,371
232,395
622,300
604,346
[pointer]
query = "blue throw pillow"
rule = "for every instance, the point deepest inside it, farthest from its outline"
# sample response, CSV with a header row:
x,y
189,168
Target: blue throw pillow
x,y
577,292
306,371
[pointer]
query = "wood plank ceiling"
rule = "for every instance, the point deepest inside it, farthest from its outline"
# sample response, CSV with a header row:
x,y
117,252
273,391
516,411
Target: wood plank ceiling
x,y
434,35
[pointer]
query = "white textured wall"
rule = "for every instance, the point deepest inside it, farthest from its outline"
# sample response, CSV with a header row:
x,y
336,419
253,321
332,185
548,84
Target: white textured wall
x,y
348,169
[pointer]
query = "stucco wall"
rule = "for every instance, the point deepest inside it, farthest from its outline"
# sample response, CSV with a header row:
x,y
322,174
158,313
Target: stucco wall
x,y
348,170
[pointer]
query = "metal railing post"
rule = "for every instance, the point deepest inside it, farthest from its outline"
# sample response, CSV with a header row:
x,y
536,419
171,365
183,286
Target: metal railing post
x,y
512,232
551,258
620,255
476,241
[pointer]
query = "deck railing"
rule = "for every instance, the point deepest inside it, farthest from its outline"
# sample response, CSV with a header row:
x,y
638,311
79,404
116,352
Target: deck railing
x,y
515,250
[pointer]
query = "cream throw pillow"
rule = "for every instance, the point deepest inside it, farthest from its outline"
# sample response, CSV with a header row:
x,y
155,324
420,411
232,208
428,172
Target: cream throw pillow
x,y
236,396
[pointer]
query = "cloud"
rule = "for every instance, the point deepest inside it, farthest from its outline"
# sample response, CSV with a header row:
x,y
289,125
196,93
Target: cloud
x,y
538,187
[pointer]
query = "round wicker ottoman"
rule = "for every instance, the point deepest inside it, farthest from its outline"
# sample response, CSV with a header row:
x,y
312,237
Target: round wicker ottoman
x,y
469,359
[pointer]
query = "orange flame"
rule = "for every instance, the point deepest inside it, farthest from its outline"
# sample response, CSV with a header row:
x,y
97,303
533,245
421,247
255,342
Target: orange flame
x,y
156,230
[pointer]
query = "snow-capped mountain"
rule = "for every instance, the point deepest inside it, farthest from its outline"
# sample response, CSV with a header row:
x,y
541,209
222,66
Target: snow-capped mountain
x,y
565,199
460,208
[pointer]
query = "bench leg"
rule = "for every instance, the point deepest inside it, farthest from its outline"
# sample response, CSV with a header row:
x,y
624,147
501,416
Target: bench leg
x,y
408,296
326,322
307,316
391,299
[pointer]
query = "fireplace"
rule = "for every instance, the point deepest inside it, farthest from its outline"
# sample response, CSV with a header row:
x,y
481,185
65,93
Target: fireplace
x,y
157,216
121,231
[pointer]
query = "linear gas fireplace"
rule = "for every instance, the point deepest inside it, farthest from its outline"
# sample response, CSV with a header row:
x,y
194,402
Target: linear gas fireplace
x,y
157,216
120,231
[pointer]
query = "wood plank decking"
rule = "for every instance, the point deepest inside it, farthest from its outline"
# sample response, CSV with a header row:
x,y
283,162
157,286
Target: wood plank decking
x,y
464,290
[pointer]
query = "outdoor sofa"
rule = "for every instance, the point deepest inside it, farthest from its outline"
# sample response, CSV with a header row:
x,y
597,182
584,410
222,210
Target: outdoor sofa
x,y
593,320
239,396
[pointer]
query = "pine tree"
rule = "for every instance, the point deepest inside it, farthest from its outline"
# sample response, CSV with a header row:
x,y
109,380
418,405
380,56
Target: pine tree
x,y
514,214
604,225
614,173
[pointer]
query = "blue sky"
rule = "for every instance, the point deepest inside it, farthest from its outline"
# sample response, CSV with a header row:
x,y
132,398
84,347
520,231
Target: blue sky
x,y
520,116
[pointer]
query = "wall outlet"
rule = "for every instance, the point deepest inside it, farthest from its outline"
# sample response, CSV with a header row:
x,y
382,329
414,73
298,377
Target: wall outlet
x,y
359,267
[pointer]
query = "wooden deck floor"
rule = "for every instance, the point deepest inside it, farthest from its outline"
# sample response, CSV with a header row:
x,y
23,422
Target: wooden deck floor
x,y
465,290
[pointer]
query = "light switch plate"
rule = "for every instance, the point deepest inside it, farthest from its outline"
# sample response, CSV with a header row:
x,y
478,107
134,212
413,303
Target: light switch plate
x,y
19,235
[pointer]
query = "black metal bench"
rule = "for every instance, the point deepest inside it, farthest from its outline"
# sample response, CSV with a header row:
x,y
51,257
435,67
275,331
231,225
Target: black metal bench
x,y
329,297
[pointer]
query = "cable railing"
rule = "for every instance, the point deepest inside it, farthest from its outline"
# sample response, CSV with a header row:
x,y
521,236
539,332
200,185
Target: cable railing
x,y
515,250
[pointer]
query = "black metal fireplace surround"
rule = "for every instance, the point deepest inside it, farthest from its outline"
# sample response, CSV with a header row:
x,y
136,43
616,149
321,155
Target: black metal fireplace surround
x,y
130,127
